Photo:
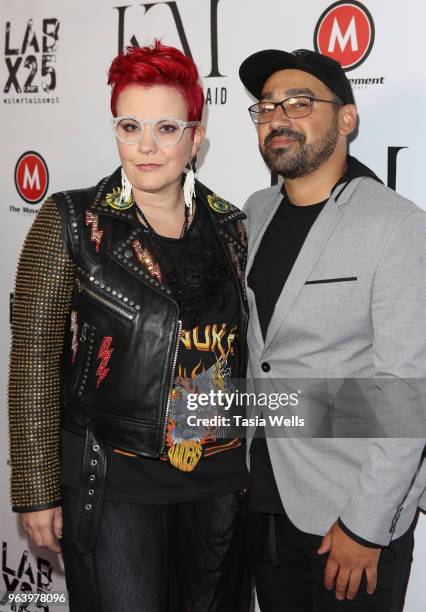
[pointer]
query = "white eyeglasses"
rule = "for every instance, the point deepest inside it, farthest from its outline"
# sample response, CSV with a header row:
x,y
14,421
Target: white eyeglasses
x,y
167,131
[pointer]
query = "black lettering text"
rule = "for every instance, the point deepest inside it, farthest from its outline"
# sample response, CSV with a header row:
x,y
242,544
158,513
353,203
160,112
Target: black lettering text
x,y
392,155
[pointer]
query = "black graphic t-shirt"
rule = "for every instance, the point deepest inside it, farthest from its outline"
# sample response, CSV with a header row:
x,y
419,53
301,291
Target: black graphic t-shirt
x,y
199,460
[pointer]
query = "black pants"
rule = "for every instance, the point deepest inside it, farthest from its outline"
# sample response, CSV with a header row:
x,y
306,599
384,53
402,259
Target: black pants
x,y
155,558
289,573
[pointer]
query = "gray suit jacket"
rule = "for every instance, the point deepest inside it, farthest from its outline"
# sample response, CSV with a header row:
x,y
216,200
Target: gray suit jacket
x,y
371,327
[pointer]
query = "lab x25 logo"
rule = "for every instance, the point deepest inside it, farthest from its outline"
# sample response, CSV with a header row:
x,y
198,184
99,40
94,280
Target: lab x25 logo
x,y
30,57
345,32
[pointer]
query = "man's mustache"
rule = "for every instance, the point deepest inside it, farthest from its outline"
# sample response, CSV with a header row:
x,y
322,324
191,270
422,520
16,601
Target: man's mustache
x,y
283,132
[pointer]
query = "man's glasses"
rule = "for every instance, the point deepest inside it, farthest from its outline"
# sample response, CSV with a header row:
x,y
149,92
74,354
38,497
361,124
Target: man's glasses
x,y
166,131
294,108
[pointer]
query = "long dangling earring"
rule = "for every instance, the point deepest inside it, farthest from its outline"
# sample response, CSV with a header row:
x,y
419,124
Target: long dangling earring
x,y
126,198
189,187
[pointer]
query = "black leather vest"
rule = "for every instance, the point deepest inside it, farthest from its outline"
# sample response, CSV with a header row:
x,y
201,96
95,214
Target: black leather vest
x,y
123,333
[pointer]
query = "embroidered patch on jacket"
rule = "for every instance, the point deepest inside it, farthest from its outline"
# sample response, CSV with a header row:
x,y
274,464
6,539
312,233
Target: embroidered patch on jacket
x,y
218,204
114,200
104,354
95,233
74,331
146,259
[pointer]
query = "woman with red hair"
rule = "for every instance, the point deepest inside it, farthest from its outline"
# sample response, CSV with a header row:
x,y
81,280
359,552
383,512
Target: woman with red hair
x,y
129,310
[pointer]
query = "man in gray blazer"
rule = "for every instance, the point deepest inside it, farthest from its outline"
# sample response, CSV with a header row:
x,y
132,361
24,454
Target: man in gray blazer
x,y
336,277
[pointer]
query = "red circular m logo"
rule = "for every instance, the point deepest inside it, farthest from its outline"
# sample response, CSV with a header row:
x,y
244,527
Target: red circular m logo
x,y
31,177
345,32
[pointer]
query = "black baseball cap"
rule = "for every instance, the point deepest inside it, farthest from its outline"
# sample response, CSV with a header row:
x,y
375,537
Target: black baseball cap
x,y
257,68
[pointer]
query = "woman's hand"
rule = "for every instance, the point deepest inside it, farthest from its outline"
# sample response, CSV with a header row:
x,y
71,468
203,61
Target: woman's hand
x,y
44,527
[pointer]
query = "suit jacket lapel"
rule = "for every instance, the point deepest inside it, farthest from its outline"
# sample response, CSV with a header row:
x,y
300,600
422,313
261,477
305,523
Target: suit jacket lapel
x,y
309,253
259,224
257,228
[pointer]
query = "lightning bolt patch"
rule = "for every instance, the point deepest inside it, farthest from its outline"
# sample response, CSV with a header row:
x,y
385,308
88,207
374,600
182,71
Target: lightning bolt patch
x,y
95,233
104,354
146,259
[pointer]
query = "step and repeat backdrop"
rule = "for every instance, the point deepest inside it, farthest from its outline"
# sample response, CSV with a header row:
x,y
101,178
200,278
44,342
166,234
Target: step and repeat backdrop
x,y
55,124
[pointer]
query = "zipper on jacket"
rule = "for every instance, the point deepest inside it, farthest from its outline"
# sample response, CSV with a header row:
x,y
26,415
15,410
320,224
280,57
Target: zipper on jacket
x,y
83,335
172,380
86,341
105,302
242,300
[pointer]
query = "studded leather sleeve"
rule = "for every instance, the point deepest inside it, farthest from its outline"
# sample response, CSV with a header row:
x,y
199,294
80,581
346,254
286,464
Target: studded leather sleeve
x,y
42,301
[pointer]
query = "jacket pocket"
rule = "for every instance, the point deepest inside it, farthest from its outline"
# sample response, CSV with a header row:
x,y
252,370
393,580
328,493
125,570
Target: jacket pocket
x,y
123,311
83,359
345,279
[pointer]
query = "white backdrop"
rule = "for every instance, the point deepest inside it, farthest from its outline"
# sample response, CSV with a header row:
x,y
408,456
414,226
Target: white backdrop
x,y
56,103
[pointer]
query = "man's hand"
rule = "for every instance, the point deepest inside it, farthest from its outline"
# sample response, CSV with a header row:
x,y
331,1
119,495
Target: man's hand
x,y
347,561
44,527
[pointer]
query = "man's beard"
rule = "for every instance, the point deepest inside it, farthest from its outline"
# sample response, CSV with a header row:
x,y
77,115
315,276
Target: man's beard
x,y
300,158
